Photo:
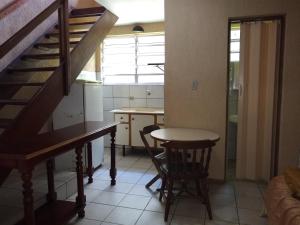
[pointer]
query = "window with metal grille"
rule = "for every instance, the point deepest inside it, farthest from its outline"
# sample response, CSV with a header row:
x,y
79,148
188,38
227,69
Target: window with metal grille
x,y
134,59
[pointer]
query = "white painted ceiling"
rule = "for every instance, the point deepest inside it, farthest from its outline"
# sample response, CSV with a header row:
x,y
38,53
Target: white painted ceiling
x,y
135,11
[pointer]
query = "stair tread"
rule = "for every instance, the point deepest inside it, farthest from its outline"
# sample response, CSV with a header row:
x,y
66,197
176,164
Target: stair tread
x,y
53,44
7,83
70,33
34,69
14,101
41,56
85,15
5,123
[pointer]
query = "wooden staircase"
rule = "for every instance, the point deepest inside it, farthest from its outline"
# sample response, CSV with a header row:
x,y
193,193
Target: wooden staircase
x,y
33,85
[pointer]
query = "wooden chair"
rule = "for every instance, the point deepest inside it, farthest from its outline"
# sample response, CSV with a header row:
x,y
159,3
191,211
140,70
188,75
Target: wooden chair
x,y
186,162
157,159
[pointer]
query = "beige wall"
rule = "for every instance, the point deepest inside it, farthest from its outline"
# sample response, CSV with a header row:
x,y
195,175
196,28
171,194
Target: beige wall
x,y
196,49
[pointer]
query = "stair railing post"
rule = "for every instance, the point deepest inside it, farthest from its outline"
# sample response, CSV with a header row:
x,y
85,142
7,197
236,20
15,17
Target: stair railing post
x,y
63,14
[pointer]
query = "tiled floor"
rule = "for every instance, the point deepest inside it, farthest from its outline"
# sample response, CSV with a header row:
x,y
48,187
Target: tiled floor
x,y
129,202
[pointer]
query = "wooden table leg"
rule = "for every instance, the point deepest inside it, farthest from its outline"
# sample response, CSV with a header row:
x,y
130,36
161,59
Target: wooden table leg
x,y
80,200
51,196
29,216
90,169
113,171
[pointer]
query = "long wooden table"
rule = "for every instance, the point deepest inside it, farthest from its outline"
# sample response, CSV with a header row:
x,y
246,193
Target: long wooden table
x,y
24,155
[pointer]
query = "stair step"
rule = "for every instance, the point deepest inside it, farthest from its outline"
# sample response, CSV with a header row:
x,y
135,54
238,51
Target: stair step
x,y
53,44
79,24
85,15
41,56
21,84
90,10
37,69
13,101
71,33
6,123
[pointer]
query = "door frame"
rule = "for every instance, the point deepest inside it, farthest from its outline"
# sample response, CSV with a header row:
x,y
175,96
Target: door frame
x,y
277,88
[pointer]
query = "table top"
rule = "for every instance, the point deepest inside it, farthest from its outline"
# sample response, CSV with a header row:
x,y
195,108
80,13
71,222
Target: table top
x,y
54,142
184,134
150,111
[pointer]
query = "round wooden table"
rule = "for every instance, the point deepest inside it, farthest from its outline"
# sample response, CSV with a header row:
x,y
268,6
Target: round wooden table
x,y
184,134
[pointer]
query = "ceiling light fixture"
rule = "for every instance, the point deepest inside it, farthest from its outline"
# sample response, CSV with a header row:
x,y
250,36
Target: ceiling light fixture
x,y
138,29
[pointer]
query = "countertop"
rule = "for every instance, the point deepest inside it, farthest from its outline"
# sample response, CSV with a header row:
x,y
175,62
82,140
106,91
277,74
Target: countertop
x,y
152,111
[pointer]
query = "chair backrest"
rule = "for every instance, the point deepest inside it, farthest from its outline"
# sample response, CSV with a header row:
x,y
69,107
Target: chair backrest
x,y
188,158
147,130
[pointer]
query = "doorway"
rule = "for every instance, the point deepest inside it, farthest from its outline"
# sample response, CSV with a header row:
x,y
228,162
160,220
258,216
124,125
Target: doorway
x,y
255,55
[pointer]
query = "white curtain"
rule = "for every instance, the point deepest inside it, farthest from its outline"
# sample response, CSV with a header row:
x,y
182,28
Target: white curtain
x,y
258,56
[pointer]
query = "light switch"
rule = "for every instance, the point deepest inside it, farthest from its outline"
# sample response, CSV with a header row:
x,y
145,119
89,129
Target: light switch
x,y
195,85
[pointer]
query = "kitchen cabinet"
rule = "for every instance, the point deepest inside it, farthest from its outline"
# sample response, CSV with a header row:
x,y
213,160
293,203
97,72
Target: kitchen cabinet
x,y
138,122
132,120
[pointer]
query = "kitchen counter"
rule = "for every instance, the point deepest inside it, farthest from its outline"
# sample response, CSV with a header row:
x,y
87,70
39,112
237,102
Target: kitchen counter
x,y
142,111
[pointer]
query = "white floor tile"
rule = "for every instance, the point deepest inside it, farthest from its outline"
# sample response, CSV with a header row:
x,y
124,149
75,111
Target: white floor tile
x,y
151,218
182,220
109,198
189,208
251,217
141,190
119,187
124,216
97,211
78,221
135,201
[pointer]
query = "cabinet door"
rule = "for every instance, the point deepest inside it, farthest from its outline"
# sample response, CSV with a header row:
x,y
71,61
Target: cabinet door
x,y
138,122
122,135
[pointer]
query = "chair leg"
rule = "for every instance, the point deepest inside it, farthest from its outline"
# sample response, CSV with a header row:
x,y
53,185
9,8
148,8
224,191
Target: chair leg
x,y
169,199
162,189
206,198
154,179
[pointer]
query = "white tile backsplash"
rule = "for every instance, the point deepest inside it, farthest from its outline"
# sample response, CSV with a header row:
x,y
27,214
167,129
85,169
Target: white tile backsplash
x,y
108,103
138,103
155,102
120,91
121,103
155,91
137,91
107,91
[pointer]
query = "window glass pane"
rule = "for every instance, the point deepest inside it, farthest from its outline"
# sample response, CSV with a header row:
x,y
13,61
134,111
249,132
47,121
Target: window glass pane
x,y
119,69
118,59
151,79
125,58
151,39
235,34
151,69
144,60
119,80
235,46
151,49
119,41
234,57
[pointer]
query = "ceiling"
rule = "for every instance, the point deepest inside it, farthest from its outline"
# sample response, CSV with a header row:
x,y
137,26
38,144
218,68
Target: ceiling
x,y
135,11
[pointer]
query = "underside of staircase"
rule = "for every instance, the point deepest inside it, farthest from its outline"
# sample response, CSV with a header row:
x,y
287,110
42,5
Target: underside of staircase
x,y
33,85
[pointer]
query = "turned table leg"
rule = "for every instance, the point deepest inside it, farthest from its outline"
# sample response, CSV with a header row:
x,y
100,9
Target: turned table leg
x,y
51,196
80,200
113,171
29,217
90,169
